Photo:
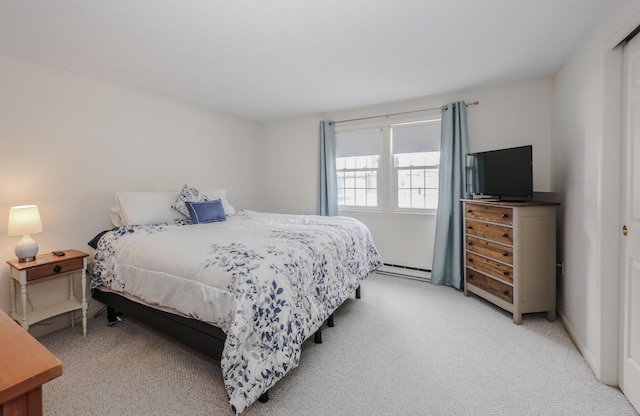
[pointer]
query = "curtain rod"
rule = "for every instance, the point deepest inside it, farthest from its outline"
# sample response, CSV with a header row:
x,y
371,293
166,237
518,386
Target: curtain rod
x,y
397,114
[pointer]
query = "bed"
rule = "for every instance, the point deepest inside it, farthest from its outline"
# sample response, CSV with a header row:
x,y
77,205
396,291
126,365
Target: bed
x,y
245,287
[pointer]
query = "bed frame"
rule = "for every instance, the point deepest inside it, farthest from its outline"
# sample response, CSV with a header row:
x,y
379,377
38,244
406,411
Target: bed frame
x,y
198,335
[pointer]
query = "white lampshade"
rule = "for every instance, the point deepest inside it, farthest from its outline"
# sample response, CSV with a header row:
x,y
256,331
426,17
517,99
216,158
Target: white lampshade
x,y
23,221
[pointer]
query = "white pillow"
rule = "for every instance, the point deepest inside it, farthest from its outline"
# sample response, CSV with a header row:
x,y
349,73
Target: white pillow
x,y
147,207
116,218
220,194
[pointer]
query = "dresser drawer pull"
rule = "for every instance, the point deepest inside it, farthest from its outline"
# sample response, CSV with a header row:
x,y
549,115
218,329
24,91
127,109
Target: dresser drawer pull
x,y
57,268
505,215
505,292
469,211
505,254
469,243
469,227
505,235
505,273
470,260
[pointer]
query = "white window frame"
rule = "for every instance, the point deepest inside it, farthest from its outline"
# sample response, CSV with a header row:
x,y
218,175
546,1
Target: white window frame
x,y
387,174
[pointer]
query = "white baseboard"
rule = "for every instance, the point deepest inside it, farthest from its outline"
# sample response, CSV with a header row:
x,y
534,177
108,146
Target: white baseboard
x,y
588,356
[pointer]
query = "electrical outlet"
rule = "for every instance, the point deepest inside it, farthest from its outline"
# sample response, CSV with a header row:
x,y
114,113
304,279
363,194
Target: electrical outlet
x,y
561,267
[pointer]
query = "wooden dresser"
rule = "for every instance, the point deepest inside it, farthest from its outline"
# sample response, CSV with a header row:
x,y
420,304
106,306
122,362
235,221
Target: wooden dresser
x,y
510,252
25,365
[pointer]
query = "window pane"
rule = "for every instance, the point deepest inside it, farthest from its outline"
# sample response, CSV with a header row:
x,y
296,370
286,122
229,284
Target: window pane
x,y
372,197
417,198
350,197
361,197
404,198
340,163
361,179
404,178
349,180
372,179
417,185
432,178
431,199
417,178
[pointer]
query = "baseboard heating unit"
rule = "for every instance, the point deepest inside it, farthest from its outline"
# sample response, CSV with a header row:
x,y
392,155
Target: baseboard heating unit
x,y
405,271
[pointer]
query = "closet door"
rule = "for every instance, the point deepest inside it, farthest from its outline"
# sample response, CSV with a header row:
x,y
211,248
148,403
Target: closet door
x,y
629,379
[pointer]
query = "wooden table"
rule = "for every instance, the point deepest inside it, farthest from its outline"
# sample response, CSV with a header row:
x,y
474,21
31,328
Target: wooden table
x,y
49,266
25,365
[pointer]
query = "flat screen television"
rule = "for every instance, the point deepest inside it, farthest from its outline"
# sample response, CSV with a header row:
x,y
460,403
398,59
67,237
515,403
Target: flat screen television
x,y
505,174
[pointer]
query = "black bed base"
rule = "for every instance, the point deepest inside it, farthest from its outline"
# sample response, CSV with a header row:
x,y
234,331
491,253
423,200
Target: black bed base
x,y
198,335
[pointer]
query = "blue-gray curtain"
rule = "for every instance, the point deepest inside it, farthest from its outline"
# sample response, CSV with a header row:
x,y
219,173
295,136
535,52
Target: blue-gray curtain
x,y
327,181
447,267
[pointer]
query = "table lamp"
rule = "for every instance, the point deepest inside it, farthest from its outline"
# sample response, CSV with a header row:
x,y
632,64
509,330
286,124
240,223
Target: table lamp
x,y
25,220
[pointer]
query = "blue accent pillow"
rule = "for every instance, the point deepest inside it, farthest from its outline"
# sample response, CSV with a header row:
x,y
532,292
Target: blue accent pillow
x,y
208,211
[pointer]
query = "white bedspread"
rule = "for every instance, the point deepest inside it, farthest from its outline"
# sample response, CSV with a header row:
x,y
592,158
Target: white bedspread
x,y
268,281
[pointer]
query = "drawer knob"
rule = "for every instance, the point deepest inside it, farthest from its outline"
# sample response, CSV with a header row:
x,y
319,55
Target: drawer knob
x,y
470,260
57,268
505,273
505,215
469,211
505,292
505,235
469,227
505,254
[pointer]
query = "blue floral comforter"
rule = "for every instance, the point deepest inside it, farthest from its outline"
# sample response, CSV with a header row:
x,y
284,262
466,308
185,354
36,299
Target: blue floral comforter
x,y
268,281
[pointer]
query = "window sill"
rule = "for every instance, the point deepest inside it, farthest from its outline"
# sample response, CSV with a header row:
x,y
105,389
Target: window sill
x,y
386,213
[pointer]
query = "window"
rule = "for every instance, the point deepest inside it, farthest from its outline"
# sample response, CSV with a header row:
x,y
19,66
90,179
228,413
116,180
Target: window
x,y
357,167
416,160
389,166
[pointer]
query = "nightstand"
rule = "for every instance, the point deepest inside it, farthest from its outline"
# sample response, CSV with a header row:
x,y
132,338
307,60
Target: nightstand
x,y
48,266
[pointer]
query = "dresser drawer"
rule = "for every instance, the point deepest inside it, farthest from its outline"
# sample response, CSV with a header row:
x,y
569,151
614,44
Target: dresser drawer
x,y
46,270
491,249
490,267
499,233
501,215
496,288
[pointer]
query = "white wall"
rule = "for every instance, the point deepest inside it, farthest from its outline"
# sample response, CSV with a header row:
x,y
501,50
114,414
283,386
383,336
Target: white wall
x,y
509,115
586,173
70,142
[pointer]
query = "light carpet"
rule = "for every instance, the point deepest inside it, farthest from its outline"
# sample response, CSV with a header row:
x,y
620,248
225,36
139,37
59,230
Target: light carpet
x,y
406,348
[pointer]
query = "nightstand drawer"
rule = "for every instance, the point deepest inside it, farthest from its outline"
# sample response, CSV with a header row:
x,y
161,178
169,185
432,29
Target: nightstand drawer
x,y
490,267
489,213
491,249
46,270
496,288
499,233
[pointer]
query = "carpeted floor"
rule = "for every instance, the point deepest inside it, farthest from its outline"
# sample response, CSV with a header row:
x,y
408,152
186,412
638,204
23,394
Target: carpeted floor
x,y
405,348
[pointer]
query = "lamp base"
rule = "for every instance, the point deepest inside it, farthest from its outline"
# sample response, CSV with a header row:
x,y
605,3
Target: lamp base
x,y
26,249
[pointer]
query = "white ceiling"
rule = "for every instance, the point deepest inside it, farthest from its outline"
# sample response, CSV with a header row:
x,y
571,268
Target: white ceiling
x,y
277,59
